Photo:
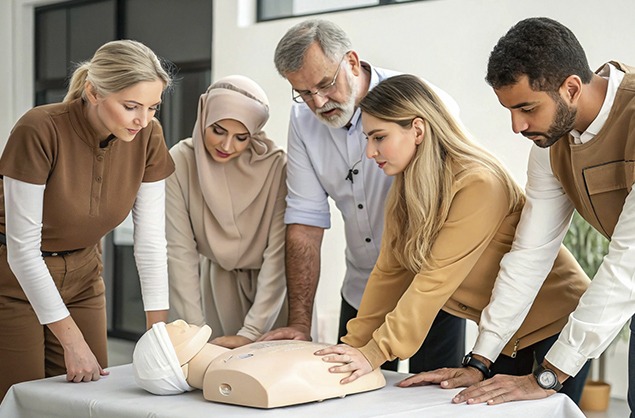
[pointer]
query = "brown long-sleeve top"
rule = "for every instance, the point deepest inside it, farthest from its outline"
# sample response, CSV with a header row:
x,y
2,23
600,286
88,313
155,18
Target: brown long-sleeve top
x,y
398,306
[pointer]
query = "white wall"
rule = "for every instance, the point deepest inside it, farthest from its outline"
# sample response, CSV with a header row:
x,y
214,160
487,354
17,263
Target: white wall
x,y
445,41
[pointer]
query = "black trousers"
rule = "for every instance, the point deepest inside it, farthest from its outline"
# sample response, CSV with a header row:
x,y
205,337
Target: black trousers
x,y
443,347
528,357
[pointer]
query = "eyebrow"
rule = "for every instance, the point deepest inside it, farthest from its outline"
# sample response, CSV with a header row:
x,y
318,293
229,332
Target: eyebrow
x,y
523,104
141,104
219,126
225,129
319,84
374,131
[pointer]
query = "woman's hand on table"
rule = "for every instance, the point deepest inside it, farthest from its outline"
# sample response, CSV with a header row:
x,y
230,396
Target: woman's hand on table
x,y
81,364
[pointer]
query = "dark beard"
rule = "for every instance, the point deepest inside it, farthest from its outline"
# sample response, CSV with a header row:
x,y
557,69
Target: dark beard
x,y
562,124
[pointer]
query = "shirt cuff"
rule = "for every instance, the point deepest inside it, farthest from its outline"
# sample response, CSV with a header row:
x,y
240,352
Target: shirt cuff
x,y
373,354
566,358
295,216
488,345
155,302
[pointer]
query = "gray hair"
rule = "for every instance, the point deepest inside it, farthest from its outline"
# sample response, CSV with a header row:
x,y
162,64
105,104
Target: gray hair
x,y
115,66
289,55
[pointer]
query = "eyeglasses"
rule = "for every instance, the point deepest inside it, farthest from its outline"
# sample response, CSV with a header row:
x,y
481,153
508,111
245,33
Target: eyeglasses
x,y
304,96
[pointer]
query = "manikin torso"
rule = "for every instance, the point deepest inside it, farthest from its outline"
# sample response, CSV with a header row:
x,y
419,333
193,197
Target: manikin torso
x,y
265,374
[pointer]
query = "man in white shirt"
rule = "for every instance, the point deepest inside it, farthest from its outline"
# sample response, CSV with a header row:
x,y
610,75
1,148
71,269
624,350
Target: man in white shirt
x,y
326,159
582,125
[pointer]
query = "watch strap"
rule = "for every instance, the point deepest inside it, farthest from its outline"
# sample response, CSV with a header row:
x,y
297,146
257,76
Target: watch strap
x,y
470,361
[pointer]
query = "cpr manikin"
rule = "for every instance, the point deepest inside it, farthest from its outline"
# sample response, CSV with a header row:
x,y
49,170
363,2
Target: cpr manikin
x,y
174,358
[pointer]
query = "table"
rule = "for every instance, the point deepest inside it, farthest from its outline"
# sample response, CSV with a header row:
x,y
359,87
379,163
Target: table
x,y
117,395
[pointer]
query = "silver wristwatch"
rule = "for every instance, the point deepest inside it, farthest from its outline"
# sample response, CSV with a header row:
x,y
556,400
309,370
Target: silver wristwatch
x,y
547,378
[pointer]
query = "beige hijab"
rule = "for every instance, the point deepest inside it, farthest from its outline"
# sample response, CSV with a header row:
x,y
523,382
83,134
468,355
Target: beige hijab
x,y
242,192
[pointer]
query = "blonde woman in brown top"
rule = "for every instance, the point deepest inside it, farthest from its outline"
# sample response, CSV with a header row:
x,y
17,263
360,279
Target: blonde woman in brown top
x,y
72,172
450,218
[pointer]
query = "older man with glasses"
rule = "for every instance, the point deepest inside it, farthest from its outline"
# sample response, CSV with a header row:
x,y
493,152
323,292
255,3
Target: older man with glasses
x,y
326,159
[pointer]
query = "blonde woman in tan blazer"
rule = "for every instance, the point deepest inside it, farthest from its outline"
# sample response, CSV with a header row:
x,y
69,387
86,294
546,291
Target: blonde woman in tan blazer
x,y
450,218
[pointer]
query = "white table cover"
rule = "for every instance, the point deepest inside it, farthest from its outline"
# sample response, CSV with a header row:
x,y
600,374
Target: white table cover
x,y
117,395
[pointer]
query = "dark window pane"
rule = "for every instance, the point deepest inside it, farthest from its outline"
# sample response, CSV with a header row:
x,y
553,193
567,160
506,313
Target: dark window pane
x,y
178,111
91,25
276,9
178,30
128,315
51,59
54,96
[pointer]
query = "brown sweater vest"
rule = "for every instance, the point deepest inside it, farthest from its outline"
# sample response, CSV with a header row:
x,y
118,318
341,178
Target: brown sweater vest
x,y
598,175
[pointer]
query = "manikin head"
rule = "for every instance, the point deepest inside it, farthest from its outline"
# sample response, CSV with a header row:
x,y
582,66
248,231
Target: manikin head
x,y
161,356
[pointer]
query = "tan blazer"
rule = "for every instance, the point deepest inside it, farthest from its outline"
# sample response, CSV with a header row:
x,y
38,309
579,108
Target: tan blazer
x,y
398,306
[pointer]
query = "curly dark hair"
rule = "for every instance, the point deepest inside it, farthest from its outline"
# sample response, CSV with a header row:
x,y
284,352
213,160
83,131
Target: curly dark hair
x,y
544,50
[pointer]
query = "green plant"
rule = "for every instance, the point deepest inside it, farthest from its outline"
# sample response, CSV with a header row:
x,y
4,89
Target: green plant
x,y
586,244
589,247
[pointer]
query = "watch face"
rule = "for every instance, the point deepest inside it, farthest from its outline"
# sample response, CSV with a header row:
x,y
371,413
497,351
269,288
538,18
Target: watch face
x,y
466,360
547,379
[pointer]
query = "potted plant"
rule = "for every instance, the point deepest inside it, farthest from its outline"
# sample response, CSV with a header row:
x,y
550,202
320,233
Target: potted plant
x,y
589,247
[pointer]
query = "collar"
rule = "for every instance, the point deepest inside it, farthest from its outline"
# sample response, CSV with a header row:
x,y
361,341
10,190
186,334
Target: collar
x,y
81,125
614,77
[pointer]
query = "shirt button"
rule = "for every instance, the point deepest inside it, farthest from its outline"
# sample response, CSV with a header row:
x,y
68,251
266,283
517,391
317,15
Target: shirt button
x,y
98,179
463,307
367,240
356,171
360,206
100,158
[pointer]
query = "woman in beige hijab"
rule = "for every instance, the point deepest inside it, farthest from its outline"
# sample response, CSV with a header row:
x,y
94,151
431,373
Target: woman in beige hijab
x,y
225,207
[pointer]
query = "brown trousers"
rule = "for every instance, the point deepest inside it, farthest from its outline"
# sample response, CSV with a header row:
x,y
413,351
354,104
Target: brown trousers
x,y
29,350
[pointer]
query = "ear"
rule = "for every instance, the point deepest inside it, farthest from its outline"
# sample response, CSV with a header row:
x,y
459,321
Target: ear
x,y
571,88
353,60
91,94
420,129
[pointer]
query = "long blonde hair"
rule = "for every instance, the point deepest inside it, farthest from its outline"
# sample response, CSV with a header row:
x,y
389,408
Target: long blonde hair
x,y
115,66
420,197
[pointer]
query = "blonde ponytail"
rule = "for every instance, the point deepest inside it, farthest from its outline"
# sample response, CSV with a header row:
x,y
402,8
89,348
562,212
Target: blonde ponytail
x,y
78,81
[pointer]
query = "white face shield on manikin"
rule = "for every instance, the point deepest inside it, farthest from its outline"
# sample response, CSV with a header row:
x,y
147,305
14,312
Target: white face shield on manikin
x,y
156,366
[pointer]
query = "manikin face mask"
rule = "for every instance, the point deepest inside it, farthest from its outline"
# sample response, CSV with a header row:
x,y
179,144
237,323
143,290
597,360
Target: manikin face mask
x,y
157,368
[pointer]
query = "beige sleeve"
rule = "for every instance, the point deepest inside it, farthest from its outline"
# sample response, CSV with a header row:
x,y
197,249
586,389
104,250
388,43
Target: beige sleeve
x,y
478,208
272,286
183,256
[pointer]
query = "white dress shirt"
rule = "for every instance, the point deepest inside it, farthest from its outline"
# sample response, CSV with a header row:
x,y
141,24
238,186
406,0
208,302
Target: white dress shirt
x,y
319,160
609,301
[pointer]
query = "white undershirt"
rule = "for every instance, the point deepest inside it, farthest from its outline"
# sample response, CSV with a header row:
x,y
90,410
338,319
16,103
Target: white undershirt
x,y
23,217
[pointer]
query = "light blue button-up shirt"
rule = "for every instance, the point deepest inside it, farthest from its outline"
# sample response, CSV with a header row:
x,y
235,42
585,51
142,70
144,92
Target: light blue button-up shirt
x,y
319,160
